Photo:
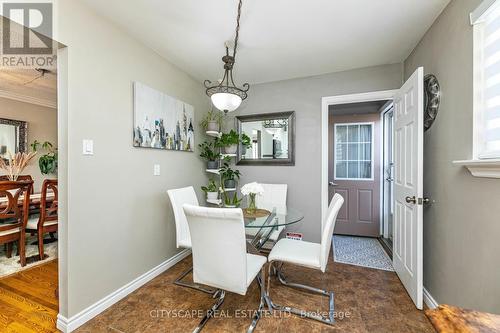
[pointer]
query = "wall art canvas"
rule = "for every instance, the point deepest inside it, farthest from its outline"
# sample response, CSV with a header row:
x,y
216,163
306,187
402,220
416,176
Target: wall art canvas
x,y
161,121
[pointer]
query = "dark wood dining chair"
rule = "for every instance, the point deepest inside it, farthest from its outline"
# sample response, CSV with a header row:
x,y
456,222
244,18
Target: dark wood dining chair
x,y
20,178
14,215
47,222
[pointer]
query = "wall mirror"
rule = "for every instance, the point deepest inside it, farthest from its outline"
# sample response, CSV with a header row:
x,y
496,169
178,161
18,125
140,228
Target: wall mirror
x,y
267,139
13,137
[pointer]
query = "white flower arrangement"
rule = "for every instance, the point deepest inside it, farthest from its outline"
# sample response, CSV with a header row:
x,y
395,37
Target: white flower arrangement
x,y
252,188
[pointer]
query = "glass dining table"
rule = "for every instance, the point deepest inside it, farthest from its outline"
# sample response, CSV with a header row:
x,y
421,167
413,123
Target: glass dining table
x,y
259,227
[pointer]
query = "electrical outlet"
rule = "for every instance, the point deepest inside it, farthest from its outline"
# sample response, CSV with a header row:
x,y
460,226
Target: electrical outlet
x,y
156,170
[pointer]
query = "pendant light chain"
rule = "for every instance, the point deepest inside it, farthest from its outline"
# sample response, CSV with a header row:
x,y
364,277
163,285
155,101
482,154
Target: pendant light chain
x,y
240,4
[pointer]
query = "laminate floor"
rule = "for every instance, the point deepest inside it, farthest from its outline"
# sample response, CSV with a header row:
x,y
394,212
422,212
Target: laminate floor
x,y
366,300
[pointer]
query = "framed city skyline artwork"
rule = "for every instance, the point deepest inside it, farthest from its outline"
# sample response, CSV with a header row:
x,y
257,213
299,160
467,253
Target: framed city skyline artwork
x,y
162,121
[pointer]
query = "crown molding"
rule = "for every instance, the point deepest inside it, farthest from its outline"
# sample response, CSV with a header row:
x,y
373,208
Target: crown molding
x,y
28,99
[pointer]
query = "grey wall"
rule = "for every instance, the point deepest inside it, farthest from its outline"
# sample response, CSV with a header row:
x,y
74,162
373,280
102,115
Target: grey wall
x,y
304,97
462,229
119,221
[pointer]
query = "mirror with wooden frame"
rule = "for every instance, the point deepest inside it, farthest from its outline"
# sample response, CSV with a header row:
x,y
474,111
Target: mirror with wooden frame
x,y
267,139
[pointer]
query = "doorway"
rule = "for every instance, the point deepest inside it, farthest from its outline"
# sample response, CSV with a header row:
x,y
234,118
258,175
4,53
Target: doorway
x,y
407,194
358,139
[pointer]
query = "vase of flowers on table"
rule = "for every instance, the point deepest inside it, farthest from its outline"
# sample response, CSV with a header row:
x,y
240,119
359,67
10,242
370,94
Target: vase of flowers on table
x,y
252,190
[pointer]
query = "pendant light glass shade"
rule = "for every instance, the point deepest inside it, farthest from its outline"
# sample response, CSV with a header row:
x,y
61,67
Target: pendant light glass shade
x,y
226,102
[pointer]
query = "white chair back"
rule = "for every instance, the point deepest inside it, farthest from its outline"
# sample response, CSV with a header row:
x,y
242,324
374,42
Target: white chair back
x,y
329,226
179,197
219,247
274,197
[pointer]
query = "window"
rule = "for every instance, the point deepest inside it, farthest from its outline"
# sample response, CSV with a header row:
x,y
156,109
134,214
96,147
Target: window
x,y
486,21
353,151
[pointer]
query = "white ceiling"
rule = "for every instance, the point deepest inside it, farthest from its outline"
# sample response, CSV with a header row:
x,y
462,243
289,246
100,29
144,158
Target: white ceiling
x,y
356,108
279,39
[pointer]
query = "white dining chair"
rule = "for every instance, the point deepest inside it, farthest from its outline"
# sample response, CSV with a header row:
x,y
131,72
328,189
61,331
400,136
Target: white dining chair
x,y
309,255
179,197
220,259
274,197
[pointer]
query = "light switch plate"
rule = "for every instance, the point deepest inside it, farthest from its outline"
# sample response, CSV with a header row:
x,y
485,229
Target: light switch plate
x,y
88,147
156,170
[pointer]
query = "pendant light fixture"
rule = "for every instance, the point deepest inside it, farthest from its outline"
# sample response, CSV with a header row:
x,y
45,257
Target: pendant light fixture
x,y
226,96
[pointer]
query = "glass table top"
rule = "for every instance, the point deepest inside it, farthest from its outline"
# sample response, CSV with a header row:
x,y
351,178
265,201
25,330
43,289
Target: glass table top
x,y
277,217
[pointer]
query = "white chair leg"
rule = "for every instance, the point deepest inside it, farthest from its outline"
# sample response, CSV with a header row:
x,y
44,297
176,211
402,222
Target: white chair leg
x,y
192,285
330,320
210,313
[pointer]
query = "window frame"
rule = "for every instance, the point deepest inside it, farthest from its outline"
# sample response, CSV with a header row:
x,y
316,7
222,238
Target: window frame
x,y
372,169
477,18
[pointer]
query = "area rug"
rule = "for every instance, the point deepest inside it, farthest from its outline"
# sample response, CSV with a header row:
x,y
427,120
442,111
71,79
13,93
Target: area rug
x,y
11,265
361,251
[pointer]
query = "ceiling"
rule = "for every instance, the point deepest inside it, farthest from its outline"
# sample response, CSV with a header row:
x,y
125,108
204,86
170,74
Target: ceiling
x,y
29,83
279,39
356,108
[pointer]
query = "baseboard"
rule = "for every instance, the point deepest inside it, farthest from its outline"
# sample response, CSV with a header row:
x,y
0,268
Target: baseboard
x,y
67,325
429,300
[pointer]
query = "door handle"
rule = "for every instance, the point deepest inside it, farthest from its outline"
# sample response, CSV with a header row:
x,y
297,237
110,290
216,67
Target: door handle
x,y
412,200
332,184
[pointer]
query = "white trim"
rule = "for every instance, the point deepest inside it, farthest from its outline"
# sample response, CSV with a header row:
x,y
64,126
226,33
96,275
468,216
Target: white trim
x,y
68,325
372,160
384,228
477,16
28,99
335,100
482,168
429,300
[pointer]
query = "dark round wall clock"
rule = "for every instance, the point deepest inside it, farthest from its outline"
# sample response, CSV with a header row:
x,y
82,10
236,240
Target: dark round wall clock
x,y
432,99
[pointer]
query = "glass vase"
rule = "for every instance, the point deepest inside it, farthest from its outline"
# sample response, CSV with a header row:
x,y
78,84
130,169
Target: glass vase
x,y
252,207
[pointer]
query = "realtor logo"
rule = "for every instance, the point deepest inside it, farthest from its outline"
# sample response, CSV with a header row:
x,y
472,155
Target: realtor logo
x,y
35,37
27,35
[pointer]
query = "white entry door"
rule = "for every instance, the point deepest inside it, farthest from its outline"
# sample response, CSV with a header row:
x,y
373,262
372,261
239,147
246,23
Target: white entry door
x,y
408,185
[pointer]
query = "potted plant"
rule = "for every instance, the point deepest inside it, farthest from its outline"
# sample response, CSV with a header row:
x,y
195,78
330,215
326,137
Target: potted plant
x,y
211,190
212,121
208,152
229,176
230,142
252,190
48,161
231,201
246,143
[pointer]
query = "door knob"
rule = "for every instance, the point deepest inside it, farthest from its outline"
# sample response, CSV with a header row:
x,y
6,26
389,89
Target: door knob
x,y
332,184
412,200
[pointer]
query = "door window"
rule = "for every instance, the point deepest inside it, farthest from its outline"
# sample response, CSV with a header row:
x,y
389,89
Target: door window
x,y
354,151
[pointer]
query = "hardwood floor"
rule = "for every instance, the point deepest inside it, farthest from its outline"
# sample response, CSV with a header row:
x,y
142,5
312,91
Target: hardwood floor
x,y
27,300
371,301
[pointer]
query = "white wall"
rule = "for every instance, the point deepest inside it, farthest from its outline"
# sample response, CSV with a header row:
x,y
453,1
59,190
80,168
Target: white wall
x,y
119,220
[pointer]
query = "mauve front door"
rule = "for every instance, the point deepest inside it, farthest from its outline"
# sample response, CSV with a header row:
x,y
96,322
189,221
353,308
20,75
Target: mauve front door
x,y
355,172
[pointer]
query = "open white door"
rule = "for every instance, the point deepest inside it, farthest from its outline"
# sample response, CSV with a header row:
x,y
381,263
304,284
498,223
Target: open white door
x,y
408,185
